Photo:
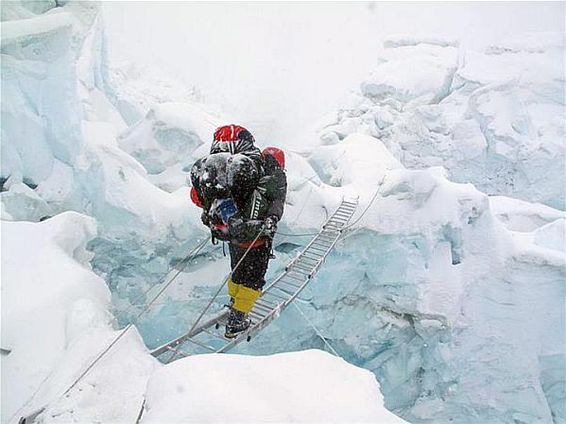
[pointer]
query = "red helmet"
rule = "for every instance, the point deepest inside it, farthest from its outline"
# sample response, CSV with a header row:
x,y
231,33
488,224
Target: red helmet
x,y
277,154
232,138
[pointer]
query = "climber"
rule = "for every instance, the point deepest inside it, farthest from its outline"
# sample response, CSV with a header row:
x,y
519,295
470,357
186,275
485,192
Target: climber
x,y
242,193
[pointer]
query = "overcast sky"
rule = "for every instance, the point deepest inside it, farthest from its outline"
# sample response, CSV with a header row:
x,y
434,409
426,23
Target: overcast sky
x,y
280,66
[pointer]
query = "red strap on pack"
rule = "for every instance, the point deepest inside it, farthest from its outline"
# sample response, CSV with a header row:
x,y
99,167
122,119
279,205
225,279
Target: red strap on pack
x,y
194,197
251,244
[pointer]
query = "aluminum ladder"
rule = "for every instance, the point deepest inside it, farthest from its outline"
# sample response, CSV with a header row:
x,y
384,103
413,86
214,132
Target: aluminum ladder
x,y
208,337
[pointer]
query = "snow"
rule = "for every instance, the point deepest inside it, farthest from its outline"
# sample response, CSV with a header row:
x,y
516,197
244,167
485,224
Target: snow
x,y
449,288
518,215
55,318
493,118
237,388
395,77
15,30
135,90
169,135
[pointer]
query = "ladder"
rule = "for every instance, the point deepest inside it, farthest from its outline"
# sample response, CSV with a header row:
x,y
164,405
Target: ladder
x,y
208,337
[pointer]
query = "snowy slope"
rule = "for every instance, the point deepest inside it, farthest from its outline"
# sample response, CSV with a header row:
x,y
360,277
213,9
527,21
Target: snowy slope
x,y
269,389
55,319
492,118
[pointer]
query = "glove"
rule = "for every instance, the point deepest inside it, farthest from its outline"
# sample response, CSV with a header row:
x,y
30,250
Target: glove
x,y
241,230
220,233
270,226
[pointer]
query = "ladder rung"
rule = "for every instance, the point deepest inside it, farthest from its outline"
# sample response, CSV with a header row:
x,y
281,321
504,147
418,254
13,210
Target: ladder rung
x,y
305,257
337,220
332,228
271,293
340,214
257,315
286,291
303,267
320,245
316,258
320,249
261,300
190,339
218,336
263,307
302,271
290,284
302,279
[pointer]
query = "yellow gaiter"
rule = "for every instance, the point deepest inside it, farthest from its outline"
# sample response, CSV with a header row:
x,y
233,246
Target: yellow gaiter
x,y
245,298
233,288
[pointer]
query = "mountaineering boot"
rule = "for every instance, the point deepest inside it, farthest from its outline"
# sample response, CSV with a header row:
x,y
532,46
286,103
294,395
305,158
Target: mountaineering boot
x,y
238,322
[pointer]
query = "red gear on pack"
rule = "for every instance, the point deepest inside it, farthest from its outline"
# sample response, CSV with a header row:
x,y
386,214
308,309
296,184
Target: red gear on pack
x,y
278,155
194,197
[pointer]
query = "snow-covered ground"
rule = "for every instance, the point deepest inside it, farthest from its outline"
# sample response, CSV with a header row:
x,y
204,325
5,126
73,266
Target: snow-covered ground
x,y
296,387
452,298
56,320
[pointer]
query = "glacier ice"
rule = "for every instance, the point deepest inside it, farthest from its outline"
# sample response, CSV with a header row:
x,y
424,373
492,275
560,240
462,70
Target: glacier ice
x,y
452,298
167,141
54,317
492,118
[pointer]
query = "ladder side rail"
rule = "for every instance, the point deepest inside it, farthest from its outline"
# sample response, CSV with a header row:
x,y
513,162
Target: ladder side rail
x,y
181,339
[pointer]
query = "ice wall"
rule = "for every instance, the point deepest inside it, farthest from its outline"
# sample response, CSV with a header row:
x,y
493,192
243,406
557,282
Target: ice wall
x,y
55,318
492,118
60,149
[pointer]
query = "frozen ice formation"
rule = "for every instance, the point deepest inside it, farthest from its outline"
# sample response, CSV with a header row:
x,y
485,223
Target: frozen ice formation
x,y
167,140
452,298
55,317
492,118
459,317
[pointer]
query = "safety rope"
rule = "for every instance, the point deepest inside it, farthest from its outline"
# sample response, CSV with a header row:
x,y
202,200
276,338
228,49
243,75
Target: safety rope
x,y
368,206
296,235
186,260
318,333
183,264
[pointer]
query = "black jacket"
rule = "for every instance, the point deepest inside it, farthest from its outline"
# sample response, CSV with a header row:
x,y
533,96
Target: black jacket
x,y
267,199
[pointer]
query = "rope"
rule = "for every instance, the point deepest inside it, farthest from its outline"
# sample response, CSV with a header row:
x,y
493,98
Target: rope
x,y
318,333
368,206
186,260
183,263
296,235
